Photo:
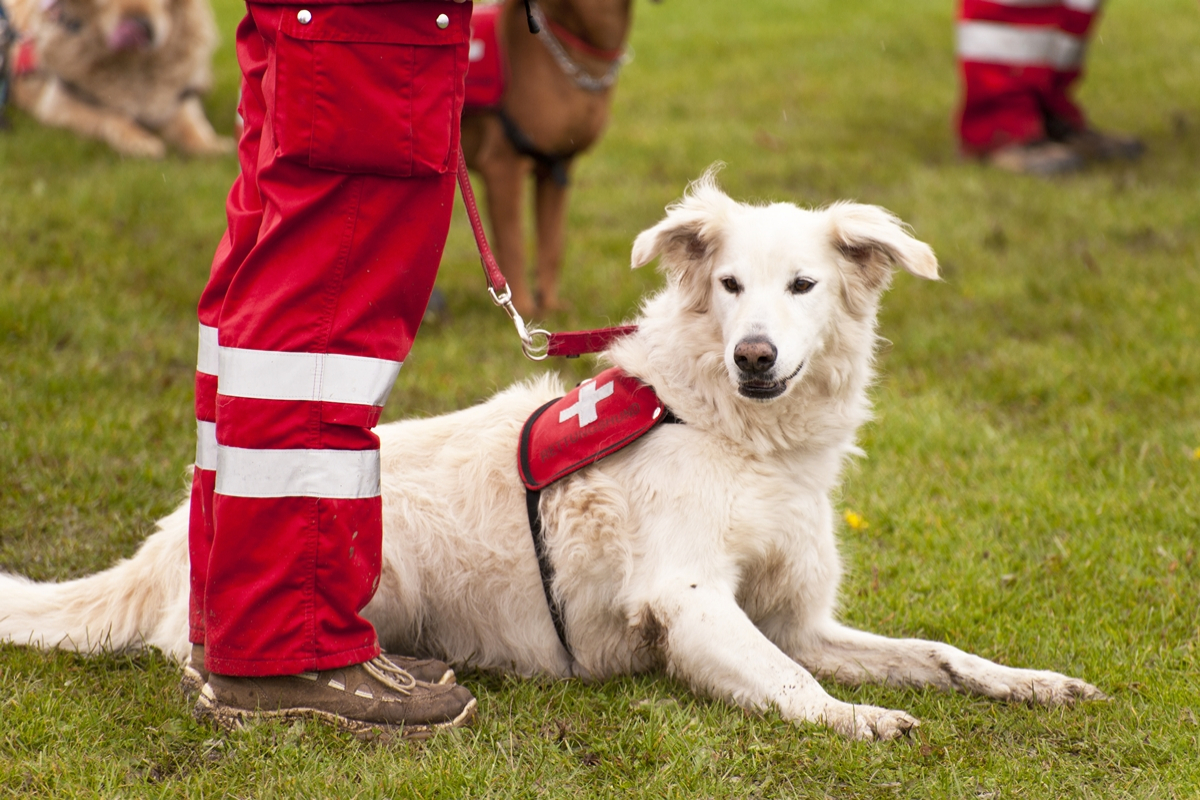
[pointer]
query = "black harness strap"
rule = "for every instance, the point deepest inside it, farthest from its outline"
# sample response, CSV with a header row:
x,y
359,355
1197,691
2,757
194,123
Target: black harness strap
x,y
556,164
533,499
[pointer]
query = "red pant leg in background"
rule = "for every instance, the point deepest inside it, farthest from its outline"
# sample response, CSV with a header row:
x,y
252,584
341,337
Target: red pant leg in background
x,y
336,228
1019,62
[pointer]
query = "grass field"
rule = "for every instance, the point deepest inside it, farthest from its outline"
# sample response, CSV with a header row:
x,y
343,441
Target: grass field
x,y
1031,491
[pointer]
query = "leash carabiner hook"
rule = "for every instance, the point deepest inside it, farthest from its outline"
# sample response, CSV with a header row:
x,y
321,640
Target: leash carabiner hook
x,y
535,342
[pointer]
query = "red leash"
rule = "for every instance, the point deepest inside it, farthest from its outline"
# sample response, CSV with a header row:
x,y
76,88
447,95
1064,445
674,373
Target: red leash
x,y
536,343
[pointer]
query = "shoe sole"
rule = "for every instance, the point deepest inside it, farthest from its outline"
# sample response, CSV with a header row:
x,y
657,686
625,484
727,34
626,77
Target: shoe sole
x,y
229,719
191,682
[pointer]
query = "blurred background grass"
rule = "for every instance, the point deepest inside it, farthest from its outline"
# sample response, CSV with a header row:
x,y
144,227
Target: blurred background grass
x,y
1032,482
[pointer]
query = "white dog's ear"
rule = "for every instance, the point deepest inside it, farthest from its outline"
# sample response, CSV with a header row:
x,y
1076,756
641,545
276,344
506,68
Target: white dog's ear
x,y
688,238
872,240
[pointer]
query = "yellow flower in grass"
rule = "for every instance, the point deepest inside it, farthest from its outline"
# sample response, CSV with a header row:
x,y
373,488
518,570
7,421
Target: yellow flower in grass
x,y
855,520
1196,454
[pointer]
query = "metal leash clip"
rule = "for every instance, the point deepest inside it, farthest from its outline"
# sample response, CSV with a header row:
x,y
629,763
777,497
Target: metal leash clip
x,y
534,349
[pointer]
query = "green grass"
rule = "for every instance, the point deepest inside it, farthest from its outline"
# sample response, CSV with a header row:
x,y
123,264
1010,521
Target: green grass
x,y
1032,486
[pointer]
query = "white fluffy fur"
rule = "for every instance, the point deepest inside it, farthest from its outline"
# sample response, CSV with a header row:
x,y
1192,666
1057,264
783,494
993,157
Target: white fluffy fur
x,y
707,548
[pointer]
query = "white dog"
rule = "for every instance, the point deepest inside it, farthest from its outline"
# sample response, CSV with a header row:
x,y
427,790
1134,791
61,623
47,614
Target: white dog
x,y
706,548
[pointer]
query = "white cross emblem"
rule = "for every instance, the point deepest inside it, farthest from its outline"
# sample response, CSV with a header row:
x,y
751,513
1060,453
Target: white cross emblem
x,y
590,396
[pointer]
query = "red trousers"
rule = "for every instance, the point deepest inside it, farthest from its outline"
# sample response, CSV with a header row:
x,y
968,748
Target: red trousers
x,y
1019,61
335,230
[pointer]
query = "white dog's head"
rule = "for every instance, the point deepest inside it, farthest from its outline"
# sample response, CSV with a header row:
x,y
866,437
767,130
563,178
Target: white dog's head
x,y
773,278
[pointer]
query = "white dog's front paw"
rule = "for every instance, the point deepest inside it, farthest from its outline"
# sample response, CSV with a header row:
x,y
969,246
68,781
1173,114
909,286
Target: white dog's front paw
x,y
868,723
1047,688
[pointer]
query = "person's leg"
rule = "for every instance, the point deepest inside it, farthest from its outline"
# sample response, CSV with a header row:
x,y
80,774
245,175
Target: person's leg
x,y
356,188
244,217
1066,121
314,328
1008,52
313,331
1076,20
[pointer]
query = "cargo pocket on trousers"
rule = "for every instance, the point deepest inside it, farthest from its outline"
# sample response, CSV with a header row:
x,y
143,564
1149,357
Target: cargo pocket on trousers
x,y
372,88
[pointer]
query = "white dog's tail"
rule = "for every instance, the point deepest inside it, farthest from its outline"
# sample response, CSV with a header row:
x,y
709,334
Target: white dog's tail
x,y
141,601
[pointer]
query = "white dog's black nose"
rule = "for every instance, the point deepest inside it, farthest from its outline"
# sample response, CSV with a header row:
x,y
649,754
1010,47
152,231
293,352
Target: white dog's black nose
x,y
755,355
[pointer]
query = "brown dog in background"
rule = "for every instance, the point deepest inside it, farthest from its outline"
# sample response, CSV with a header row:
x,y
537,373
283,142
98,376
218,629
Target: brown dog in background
x,y
555,106
127,72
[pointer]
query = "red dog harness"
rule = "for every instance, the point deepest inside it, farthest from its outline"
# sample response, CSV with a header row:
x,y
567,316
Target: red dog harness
x,y
26,60
596,419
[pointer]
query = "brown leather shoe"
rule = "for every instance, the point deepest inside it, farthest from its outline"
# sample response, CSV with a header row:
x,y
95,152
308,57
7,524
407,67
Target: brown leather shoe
x,y
370,699
427,670
1036,158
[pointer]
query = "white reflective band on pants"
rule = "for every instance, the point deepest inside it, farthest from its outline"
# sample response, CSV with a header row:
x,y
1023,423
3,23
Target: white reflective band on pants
x,y
1017,45
328,377
333,474
206,445
206,359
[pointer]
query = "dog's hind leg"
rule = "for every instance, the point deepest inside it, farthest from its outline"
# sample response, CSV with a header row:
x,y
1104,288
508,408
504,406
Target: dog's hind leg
x,y
854,657
54,105
707,640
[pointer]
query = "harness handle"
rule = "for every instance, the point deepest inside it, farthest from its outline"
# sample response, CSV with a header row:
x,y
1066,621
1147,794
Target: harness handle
x,y
536,343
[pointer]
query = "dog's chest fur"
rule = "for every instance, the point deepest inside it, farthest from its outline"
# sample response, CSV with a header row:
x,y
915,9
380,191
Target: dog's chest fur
x,y
752,525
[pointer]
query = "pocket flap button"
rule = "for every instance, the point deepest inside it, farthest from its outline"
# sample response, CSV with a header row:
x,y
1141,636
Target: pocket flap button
x,y
304,16
443,21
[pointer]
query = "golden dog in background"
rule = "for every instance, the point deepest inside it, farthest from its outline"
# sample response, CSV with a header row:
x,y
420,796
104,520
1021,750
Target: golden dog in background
x,y
127,72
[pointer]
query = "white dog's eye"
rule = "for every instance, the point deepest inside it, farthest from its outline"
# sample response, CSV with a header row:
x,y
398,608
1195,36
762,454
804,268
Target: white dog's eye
x,y
731,285
802,286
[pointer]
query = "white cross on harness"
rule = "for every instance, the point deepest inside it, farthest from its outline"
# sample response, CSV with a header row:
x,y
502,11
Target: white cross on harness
x,y
590,396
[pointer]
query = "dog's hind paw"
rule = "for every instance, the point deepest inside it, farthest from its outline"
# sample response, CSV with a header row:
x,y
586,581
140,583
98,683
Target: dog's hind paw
x,y
1064,691
1038,687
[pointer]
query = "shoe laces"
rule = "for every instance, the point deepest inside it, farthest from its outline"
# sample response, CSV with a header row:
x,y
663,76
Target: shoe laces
x,y
390,675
